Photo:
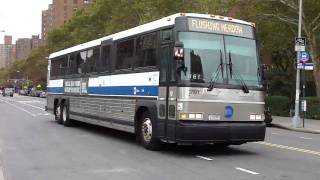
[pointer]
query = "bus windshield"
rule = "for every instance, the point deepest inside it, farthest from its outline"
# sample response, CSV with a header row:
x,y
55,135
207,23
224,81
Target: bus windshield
x,y
204,53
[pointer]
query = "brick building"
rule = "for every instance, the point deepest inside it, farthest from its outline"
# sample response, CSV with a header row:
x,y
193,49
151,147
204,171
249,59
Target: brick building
x,y
60,12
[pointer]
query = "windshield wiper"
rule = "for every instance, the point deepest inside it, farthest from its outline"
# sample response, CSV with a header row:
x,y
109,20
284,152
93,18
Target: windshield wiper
x,y
237,75
215,76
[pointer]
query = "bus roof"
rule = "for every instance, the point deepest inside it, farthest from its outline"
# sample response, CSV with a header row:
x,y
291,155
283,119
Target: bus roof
x,y
163,22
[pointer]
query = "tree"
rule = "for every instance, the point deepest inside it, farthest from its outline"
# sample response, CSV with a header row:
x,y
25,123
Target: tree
x,y
286,12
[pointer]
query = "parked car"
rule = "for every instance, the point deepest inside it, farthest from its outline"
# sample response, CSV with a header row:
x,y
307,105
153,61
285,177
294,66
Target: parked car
x,y
23,92
43,94
8,92
35,93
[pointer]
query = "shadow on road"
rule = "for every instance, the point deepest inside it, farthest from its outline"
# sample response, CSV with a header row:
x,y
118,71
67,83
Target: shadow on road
x,y
169,149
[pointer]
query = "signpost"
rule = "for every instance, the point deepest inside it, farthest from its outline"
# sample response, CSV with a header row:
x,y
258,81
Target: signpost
x,y
304,58
300,44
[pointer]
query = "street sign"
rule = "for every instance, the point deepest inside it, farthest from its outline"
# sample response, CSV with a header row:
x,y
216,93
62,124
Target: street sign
x,y
307,66
304,57
300,44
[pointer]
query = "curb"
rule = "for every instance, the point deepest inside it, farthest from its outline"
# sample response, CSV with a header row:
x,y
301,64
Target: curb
x,y
294,129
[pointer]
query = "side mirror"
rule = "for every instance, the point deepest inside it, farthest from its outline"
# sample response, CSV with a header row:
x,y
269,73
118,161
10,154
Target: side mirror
x,y
263,71
179,57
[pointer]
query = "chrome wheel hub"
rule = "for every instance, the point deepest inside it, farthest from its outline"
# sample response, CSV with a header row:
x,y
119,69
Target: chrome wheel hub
x,y
64,114
58,111
147,129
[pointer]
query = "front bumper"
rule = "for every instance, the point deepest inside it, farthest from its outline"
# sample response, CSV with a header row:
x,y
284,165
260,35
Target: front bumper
x,y
219,132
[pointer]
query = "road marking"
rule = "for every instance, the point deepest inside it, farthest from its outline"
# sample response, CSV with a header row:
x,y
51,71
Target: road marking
x,y
30,105
304,137
205,158
30,113
275,133
1,174
289,148
32,101
246,170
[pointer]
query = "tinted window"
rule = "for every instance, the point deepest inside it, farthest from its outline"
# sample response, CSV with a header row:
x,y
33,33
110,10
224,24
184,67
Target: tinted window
x,y
105,58
167,35
125,54
58,66
146,51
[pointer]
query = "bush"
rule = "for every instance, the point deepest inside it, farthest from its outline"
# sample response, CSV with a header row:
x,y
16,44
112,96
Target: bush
x,y
279,105
313,107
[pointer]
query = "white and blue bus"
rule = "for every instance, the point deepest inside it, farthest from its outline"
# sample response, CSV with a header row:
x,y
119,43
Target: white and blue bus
x,y
186,78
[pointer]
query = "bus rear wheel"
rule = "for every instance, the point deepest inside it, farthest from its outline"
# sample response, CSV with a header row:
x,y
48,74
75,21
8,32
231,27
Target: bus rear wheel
x,y
57,113
65,116
146,134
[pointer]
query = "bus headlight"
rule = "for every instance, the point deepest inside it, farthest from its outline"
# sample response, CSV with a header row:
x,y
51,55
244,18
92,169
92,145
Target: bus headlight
x,y
183,116
190,116
256,117
252,117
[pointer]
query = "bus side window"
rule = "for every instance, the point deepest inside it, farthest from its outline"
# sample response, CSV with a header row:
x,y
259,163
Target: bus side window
x,y
166,35
146,50
125,54
105,58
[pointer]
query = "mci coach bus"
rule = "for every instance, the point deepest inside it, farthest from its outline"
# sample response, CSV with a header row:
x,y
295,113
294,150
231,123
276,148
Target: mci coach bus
x,y
186,79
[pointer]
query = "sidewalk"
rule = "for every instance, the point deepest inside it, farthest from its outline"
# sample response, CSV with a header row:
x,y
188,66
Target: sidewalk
x,y
310,125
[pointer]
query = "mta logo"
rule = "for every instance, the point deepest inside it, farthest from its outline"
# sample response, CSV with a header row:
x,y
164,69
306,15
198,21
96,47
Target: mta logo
x,y
228,112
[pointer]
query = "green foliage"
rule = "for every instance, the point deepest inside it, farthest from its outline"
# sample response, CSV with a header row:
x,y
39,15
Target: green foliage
x,y
313,107
109,16
279,105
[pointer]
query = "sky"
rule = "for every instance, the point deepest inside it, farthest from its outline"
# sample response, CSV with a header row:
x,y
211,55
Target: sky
x,y
21,18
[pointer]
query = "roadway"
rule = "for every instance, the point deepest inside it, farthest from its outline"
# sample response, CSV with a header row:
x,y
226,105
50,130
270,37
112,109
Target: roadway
x,y
34,147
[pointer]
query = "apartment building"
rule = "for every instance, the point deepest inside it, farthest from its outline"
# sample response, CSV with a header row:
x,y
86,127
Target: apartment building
x,y
60,12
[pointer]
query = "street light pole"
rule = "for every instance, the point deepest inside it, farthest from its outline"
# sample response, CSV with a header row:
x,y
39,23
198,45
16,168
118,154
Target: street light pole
x,y
296,120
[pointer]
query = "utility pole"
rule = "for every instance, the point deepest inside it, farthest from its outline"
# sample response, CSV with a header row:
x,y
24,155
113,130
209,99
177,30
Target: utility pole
x,y
296,120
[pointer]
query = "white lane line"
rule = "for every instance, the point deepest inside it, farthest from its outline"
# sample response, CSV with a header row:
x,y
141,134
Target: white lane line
x,y
205,158
30,113
304,137
1,174
246,170
30,105
275,133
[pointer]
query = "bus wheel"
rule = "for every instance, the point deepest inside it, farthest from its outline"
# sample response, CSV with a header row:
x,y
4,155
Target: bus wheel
x,y
147,137
57,113
65,116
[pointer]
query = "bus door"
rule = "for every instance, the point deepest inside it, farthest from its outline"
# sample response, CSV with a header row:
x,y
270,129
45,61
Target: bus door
x,y
167,93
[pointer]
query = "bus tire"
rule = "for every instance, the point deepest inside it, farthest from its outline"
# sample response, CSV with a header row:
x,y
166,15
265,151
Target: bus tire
x,y
66,121
57,113
146,129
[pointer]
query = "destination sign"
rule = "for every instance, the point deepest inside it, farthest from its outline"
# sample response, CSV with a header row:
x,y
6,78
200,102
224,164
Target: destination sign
x,y
220,27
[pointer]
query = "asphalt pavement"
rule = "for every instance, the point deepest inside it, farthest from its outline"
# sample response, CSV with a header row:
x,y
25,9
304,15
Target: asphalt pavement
x,y
34,147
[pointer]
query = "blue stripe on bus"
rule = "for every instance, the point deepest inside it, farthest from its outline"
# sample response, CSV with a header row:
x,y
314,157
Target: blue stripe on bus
x,y
55,90
116,90
125,90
